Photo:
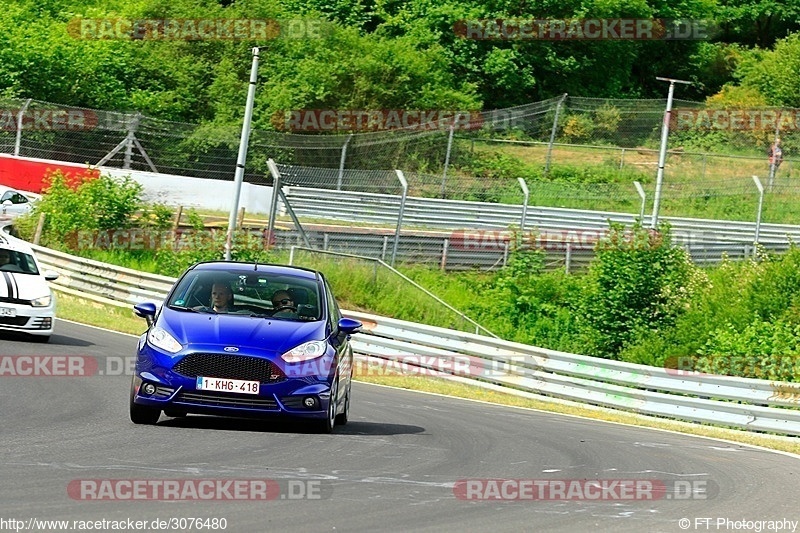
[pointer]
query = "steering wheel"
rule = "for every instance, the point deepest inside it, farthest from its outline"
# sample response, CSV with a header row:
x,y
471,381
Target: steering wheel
x,y
281,308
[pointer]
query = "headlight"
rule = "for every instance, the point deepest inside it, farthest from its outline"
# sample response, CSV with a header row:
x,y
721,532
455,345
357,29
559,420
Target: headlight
x,y
306,351
44,301
159,338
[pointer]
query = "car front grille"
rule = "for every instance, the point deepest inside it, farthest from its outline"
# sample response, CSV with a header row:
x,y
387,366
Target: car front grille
x,y
215,399
228,366
13,320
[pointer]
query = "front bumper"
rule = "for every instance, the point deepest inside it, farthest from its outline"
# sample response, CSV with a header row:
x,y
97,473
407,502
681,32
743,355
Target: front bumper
x,y
28,319
305,394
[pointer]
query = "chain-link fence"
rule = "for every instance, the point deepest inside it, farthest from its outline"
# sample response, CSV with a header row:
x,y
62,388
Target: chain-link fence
x,y
583,153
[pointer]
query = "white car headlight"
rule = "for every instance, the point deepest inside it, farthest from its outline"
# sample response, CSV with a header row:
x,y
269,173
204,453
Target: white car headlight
x,y
159,338
44,301
306,351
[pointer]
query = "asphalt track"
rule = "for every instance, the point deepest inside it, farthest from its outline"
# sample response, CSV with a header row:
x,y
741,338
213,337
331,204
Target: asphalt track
x,y
392,468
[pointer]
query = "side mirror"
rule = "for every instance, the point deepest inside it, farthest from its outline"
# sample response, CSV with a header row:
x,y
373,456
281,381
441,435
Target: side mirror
x,y
348,326
50,275
146,310
7,202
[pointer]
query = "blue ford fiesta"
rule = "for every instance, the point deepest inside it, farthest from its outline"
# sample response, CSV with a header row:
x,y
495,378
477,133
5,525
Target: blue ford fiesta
x,y
245,340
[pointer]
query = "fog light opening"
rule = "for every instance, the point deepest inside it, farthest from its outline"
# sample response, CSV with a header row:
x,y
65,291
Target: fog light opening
x,y
149,389
309,402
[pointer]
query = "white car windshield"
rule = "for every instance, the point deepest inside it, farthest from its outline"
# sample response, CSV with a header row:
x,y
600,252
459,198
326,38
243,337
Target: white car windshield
x,y
16,261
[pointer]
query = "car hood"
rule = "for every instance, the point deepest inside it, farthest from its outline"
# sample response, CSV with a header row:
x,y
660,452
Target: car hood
x,y
240,331
22,286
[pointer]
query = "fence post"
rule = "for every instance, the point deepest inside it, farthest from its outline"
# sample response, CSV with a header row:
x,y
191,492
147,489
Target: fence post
x,y
404,184
758,214
18,141
643,196
385,246
622,159
445,247
525,194
568,258
39,227
553,135
133,124
773,161
341,162
447,155
276,184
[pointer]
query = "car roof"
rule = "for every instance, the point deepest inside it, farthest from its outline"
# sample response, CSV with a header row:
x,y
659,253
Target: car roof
x,y
265,268
8,242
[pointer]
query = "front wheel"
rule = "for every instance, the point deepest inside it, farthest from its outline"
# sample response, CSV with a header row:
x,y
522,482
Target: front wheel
x,y
141,414
344,416
326,426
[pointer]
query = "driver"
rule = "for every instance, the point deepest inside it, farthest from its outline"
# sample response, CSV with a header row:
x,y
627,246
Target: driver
x,y
221,299
284,305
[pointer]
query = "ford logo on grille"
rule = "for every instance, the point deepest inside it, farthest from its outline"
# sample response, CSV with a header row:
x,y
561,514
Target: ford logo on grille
x,y
231,349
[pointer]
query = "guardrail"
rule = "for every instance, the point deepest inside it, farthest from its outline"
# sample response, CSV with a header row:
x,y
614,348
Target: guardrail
x,y
755,405
102,282
455,215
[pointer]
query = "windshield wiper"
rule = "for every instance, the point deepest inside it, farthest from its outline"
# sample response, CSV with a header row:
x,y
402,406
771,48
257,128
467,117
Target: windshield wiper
x,y
180,308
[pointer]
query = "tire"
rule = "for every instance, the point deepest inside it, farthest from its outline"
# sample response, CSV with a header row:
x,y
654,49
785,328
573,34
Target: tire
x,y
327,425
141,414
344,416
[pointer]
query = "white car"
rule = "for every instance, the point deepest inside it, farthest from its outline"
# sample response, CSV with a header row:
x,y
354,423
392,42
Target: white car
x,y
27,304
14,203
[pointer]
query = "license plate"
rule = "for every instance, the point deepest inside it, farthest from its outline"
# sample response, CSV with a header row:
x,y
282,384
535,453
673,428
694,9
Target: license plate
x,y
227,385
8,311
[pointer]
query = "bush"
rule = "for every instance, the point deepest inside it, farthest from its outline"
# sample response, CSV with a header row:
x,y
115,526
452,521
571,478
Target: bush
x,y
85,202
638,282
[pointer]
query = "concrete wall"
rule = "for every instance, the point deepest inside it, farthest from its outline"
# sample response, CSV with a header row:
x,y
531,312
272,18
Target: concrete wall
x,y
27,174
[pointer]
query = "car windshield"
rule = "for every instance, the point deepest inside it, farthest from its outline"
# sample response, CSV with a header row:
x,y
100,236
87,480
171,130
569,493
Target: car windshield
x,y
16,261
250,294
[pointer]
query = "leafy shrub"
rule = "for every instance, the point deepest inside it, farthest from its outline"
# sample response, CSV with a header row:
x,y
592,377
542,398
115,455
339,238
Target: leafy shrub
x,y
86,202
606,120
637,282
762,350
577,128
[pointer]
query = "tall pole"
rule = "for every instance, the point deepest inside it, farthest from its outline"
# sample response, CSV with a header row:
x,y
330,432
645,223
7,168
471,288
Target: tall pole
x,y
239,176
662,155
